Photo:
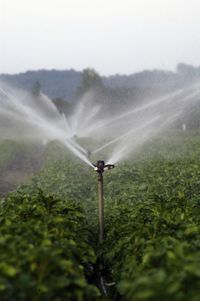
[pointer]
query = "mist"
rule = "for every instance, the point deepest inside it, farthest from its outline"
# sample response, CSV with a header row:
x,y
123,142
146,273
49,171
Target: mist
x,y
93,128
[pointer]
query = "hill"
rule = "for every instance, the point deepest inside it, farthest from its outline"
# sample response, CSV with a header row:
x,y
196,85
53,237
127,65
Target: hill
x,y
63,84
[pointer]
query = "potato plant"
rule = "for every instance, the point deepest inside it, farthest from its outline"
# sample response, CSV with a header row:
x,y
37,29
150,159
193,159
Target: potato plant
x,y
44,252
153,231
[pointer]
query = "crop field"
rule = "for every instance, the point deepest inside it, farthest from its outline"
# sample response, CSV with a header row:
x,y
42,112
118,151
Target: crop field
x,y
49,246
99,150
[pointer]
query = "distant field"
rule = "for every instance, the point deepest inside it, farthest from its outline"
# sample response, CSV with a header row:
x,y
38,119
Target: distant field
x,y
18,162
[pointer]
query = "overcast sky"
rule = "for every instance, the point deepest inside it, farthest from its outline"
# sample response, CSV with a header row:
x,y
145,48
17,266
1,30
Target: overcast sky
x,y
112,36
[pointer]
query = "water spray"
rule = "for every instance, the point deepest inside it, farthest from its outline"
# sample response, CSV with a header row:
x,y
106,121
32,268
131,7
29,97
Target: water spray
x,y
99,168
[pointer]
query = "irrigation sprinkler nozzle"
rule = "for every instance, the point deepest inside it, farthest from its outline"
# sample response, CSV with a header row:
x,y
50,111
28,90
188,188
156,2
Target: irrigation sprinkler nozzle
x,y
89,153
101,166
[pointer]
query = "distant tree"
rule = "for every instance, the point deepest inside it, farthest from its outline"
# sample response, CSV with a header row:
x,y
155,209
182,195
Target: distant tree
x,y
90,80
186,70
63,106
36,89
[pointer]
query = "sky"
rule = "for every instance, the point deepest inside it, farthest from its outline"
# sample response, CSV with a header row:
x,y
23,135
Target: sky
x,y
111,36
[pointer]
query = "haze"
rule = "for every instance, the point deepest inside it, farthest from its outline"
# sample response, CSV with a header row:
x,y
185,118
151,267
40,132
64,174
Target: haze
x,y
112,36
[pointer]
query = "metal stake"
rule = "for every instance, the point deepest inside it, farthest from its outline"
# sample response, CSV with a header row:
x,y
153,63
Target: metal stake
x,y
101,207
100,167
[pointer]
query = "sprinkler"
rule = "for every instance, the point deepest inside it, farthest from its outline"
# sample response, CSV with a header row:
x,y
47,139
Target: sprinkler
x,y
99,168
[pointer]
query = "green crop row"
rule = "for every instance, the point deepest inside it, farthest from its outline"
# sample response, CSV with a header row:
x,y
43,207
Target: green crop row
x,y
44,250
153,230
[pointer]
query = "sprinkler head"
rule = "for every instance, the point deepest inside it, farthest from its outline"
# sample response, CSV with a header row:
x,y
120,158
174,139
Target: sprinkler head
x,y
101,166
109,166
89,153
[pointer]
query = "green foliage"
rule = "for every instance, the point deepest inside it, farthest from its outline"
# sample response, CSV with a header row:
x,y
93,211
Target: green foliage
x,y
63,106
44,252
12,152
36,89
48,229
153,230
8,152
90,80
67,179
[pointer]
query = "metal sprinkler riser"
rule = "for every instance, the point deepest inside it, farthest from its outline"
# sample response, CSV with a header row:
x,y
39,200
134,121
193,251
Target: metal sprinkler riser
x,y
99,168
